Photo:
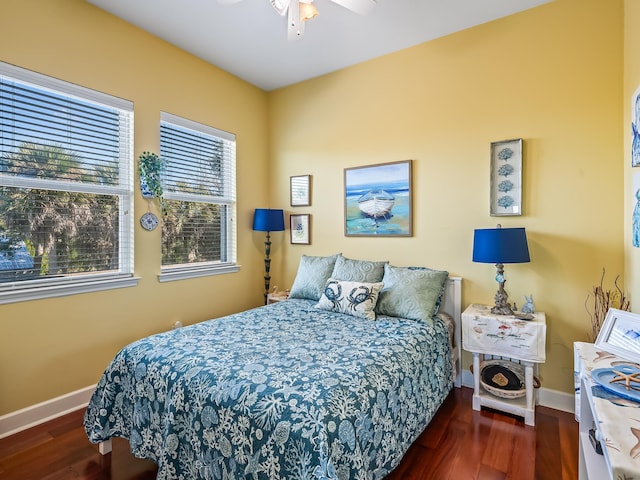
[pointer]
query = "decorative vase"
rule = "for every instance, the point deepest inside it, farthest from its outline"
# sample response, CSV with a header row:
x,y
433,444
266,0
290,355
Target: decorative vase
x,y
144,188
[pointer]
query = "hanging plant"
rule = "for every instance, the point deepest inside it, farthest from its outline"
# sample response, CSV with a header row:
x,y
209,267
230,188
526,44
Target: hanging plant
x,y
149,167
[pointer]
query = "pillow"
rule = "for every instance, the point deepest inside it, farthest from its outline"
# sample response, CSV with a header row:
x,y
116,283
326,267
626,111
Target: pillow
x,y
353,298
358,270
411,292
313,273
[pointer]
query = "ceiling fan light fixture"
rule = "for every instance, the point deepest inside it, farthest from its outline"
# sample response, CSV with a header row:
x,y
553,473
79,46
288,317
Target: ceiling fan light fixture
x,y
307,10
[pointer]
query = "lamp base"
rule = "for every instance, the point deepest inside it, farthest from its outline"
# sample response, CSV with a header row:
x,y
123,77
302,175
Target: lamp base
x,y
501,310
502,306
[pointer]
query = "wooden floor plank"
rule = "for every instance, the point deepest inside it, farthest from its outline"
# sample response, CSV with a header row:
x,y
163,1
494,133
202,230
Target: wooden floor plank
x,y
459,444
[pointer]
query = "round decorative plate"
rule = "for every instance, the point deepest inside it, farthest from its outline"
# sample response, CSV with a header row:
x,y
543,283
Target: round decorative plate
x,y
149,221
604,376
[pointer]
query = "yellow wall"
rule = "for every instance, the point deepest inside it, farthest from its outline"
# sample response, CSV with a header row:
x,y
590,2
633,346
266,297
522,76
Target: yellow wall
x,y
631,84
552,76
52,347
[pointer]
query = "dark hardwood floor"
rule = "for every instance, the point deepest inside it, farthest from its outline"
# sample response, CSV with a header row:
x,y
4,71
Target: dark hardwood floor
x,y
459,444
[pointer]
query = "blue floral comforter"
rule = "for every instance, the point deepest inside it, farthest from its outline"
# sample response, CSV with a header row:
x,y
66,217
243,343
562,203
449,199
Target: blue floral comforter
x,y
283,391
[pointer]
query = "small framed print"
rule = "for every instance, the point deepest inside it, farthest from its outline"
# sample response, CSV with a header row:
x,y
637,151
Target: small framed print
x,y
300,229
620,334
300,189
506,178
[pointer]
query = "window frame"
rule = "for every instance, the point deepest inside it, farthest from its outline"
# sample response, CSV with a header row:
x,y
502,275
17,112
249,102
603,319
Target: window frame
x,y
26,290
202,269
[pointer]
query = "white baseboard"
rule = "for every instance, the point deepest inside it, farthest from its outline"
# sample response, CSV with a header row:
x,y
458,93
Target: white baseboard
x,y
28,417
546,397
565,402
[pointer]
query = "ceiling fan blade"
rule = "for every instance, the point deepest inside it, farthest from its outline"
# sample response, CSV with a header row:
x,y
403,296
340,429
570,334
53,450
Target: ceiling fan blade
x,y
359,6
295,28
280,6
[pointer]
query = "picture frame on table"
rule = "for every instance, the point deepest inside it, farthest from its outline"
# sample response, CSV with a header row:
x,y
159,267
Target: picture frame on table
x,y
300,226
300,190
378,200
620,334
506,178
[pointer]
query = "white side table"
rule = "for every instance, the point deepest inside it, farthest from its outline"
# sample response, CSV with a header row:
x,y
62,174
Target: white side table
x,y
504,336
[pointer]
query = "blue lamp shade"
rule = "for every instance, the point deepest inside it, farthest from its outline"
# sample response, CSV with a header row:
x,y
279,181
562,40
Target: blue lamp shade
x,y
500,245
268,220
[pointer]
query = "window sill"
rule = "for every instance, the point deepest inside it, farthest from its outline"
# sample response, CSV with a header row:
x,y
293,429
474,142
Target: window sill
x,y
22,293
184,273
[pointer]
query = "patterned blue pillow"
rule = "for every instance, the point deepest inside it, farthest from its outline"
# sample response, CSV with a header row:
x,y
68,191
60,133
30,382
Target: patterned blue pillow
x,y
411,292
358,270
313,273
353,298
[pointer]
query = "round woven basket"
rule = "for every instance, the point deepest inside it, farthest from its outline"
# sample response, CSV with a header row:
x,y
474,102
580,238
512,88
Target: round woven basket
x,y
502,378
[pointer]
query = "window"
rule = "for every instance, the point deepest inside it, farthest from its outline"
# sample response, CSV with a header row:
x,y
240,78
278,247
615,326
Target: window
x,y
199,185
65,188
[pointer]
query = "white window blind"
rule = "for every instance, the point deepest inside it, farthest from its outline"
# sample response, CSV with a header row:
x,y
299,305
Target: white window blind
x,y
199,184
65,187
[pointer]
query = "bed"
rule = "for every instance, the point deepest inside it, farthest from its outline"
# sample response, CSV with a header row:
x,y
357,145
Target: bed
x,y
308,388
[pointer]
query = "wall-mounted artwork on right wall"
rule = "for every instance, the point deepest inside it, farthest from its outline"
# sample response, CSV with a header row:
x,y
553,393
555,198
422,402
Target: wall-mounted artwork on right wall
x,y
635,128
635,223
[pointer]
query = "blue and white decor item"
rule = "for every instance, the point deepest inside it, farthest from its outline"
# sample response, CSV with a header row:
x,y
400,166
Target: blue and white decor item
x,y
528,306
150,167
635,223
149,221
506,178
635,128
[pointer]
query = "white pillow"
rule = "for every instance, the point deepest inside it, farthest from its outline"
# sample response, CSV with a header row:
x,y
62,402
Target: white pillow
x,y
352,298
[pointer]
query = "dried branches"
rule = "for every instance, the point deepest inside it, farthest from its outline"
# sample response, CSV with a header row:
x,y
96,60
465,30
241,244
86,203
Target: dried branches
x,y
603,300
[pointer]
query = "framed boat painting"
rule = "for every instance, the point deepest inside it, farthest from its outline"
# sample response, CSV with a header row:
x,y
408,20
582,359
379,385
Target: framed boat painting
x,y
378,200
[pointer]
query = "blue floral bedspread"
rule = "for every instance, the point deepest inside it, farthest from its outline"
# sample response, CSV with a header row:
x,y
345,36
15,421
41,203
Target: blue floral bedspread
x,y
283,391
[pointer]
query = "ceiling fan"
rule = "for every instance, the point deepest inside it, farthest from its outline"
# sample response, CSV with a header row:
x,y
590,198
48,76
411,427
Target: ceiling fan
x,y
299,11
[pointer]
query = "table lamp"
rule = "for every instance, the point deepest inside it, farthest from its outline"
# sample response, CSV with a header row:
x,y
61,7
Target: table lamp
x,y
267,220
500,246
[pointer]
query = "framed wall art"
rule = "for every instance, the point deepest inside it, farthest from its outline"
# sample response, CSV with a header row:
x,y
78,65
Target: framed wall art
x,y
300,189
620,334
300,229
635,128
506,178
378,200
635,219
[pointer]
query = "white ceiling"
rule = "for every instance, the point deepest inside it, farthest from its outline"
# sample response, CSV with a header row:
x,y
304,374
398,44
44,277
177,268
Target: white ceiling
x,y
249,39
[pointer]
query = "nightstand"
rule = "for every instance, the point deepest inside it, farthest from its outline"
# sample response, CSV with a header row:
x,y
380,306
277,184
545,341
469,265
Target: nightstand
x,y
487,335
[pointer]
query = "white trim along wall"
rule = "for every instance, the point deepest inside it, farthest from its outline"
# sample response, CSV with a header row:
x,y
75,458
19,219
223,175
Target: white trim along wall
x,y
28,417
